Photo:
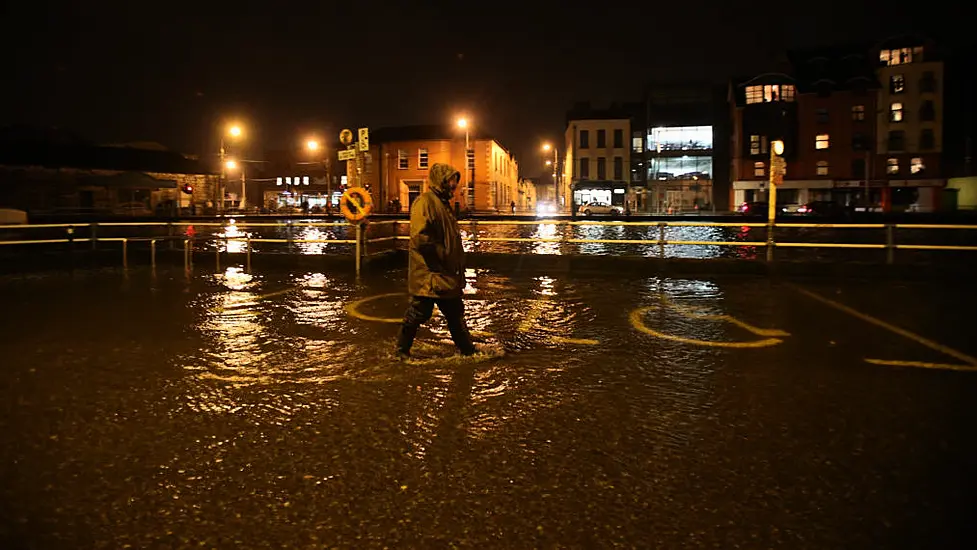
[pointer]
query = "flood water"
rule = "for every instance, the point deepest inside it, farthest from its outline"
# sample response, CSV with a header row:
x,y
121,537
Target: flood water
x,y
153,409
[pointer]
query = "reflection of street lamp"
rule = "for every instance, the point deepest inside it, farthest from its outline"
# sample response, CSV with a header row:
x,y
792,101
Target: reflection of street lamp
x,y
312,146
235,132
469,167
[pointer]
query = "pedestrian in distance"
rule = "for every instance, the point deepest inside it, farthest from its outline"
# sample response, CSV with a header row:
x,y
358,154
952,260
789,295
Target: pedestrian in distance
x,y
436,263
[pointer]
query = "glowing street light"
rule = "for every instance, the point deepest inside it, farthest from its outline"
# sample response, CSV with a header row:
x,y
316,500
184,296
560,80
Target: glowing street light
x,y
556,182
546,147
312,145
234,131
462,123
231,164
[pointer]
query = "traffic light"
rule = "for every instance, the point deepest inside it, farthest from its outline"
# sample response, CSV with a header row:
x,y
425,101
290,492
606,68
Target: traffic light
x,y
187,188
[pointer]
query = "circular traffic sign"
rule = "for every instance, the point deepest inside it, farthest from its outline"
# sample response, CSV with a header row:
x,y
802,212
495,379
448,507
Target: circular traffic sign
x,y
346,136
356,204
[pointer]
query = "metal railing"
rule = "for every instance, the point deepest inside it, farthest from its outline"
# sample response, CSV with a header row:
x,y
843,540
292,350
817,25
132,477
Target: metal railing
x,y
362,241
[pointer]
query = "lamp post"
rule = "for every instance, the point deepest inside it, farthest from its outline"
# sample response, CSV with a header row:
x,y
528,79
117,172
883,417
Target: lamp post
x,y
778,167
556,181
235,132
312,146
469,168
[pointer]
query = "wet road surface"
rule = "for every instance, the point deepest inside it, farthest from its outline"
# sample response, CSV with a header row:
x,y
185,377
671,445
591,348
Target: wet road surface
x,y
235,411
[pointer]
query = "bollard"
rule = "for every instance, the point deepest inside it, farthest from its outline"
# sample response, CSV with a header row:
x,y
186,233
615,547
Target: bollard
x,y
890,244
186,253
770,243
661,240
125,253
247,254
152,253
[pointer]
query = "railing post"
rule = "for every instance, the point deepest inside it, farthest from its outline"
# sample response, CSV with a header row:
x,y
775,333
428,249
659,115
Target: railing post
x,y
125,253
770,242
217,253
186,253
93,233
661,239
152,253
247,257
890,244
359,238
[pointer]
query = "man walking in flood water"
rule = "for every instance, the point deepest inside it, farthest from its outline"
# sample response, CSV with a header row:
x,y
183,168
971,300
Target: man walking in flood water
x,y
436,270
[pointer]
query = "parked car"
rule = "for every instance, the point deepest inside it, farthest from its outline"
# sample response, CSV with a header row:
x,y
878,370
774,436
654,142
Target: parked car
x,y
598,208
822,208
753,209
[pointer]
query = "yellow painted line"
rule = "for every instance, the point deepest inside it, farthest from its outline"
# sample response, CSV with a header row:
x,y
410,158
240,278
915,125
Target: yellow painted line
x,y
637,322
891,328
276,293
921,365
353,308
576,341
693,312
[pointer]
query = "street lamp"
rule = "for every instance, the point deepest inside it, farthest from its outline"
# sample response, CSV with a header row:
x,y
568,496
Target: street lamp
x,y
556,182
235,132
313,147
469,167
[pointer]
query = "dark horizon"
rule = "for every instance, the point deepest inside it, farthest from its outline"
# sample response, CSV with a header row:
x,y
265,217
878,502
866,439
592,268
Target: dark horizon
x,y
107,74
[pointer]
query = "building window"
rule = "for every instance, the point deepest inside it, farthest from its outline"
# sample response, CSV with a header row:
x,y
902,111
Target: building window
x,y
601,139
822,168
758,169
897,84
769,93
821,115
637,144
618,139
927,140
584,167
928,111
471,159
859,142
858,168
754,145
895,112
897,140
928,82
601,168
584,139
858,112
401,159
422,158
900,56
917,165
822,141
618,168
892,166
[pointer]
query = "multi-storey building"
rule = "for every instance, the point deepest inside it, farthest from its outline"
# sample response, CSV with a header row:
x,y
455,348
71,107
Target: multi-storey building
x,y
401,157
597,162
861,127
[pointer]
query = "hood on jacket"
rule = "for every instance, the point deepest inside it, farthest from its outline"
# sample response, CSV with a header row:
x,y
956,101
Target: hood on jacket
x,y
438,178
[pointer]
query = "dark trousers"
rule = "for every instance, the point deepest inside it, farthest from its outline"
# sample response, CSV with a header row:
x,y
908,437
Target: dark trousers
x,y
419,312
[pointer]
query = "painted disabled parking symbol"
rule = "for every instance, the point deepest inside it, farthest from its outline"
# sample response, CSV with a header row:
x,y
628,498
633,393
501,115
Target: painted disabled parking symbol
x,y
769,336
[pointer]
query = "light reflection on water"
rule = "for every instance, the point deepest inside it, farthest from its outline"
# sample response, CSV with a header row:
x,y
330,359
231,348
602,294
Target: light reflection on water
x,y
232,238
546,231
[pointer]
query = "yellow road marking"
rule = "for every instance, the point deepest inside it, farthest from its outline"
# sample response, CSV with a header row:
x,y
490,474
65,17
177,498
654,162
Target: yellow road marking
x,y
578,341
353,308
921,364
637,322
890,327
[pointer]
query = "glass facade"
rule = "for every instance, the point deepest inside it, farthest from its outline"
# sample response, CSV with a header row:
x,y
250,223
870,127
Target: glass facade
x,y
683,167
680,138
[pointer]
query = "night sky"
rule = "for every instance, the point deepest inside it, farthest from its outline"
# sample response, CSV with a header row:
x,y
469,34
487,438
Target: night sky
x,y
170,71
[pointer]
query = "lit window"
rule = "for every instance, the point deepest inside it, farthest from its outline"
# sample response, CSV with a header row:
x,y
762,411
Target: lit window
x,y
422,158
305,180
858,112
288,180
754,145
892,166
897,84
471,160
401,159
895,112
917,165
822,168
822,141
754,94
758,169
787,91
771,92
278,180
900,56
